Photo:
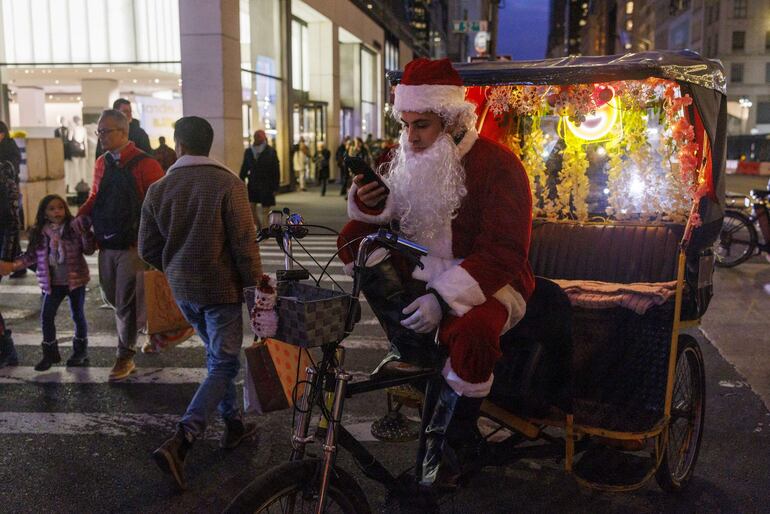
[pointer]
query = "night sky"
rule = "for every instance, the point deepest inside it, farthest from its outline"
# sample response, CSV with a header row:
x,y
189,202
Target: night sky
x,y
523,28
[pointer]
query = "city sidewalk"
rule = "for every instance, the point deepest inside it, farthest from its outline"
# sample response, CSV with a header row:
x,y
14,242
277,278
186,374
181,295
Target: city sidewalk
x,y
329,210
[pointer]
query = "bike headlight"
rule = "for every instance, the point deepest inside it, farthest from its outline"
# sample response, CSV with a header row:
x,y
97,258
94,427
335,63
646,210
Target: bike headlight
x,y
746,202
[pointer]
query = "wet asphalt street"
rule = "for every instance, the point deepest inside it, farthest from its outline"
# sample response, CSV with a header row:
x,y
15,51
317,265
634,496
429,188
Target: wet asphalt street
x,y
72,443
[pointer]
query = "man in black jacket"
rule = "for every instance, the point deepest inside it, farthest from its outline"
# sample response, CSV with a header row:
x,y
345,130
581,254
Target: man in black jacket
x,y
262,169
135,132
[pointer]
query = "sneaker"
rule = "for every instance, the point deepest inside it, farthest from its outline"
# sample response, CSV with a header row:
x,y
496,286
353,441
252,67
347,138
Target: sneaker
x,y
171,455
123,367
235,432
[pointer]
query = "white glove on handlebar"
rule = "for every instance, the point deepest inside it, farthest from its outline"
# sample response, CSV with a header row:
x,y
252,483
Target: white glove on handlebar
x,y
427,314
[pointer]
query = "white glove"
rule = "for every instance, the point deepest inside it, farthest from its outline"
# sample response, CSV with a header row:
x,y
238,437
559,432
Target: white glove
x,y
427,314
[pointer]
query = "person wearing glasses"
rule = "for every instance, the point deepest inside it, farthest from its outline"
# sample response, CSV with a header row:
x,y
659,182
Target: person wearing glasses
x,y
122,176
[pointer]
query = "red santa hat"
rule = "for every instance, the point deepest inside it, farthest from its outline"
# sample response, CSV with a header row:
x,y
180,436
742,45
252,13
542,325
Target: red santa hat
x,y
431,86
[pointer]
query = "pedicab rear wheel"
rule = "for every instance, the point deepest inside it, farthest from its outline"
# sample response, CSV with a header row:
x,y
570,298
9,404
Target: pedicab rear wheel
x,y
685,428
292,487
737,240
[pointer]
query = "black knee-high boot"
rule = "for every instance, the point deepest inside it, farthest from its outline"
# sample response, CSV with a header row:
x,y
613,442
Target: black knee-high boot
x,y
387,296
453,441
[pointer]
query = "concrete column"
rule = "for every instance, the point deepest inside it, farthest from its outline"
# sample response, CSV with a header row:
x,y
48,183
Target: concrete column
x,y
325,79
97,95
31,106
211,72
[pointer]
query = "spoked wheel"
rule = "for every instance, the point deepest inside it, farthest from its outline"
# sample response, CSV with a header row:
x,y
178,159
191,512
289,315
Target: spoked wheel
x,y
685,428
737,240
292,488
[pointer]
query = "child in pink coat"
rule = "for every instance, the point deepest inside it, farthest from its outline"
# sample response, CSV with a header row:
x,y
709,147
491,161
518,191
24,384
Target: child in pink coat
x,y
58,248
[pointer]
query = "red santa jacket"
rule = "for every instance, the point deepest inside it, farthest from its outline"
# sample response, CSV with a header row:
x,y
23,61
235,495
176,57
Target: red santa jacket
x,y
484,253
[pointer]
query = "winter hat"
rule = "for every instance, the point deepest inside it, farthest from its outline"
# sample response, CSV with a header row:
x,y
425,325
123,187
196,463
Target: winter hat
x,y
431,86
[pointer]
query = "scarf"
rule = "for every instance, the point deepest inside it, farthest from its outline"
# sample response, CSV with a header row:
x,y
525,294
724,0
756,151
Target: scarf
x,y
258,149
55,246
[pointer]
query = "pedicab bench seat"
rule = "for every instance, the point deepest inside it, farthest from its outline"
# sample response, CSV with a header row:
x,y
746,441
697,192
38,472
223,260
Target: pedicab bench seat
x,y
619,358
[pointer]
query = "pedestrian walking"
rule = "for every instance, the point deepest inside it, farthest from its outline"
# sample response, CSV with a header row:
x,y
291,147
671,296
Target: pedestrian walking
x,y
58,247
9,240
261,171
301,161
209,255
9,151
122,176
321,158
136,134
164,154
342,152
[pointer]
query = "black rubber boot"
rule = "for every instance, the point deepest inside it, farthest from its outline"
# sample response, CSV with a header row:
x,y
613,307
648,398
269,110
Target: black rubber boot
x,y
454,445
8,356
436,459
79,355
51,356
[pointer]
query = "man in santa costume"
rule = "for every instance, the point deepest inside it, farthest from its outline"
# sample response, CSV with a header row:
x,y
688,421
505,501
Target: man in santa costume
x,y
467,199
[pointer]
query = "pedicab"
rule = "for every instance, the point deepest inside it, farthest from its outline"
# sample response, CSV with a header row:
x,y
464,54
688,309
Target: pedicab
x,y
626,159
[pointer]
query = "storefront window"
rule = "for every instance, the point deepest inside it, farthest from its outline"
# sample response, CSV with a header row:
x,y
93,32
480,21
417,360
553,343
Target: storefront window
x,y
262,76
369,117
300,67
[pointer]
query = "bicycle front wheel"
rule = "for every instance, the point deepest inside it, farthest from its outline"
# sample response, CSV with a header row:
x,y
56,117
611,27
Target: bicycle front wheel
x,y
292,488
737,240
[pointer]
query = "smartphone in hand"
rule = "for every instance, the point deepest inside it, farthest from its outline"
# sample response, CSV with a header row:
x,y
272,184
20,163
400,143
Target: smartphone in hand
x,y
358,166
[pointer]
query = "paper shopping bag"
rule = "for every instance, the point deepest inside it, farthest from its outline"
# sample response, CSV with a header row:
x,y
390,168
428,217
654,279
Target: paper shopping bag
x,y
155,304
267,394
288,359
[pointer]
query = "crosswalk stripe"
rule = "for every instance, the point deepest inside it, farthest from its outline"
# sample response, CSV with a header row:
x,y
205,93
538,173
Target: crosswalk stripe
x,y
96,375
81,423
20,289
101,340
35,290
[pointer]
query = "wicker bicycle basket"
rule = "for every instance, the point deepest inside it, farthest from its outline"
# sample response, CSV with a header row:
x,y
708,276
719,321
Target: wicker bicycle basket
x,y
308,316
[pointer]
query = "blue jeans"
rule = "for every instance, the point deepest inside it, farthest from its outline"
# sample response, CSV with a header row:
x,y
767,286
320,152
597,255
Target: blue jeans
x,y
221,329
51,304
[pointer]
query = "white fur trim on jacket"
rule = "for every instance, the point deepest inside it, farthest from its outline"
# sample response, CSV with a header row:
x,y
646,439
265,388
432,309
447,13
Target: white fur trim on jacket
x,y
458,289
463,388
433,267
514,303
355,213
428,98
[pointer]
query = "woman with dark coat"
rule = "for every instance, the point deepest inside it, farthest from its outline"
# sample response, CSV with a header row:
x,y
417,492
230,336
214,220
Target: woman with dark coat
x,y
9,241
10,152
261,171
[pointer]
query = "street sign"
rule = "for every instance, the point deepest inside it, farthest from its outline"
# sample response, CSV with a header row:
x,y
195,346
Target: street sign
x,y
465,26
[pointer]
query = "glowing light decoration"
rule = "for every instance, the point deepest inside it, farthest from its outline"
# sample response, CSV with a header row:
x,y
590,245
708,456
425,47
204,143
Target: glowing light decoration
x,y
598,125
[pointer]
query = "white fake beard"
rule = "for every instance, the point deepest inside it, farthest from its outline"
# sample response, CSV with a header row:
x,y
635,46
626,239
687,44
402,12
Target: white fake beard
x,y
428,186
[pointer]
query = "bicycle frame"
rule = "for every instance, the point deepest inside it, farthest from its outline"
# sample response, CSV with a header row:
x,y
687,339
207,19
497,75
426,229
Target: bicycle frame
x,y
328,384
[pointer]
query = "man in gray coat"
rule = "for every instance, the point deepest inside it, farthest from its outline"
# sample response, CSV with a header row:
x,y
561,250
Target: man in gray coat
x,y
197,228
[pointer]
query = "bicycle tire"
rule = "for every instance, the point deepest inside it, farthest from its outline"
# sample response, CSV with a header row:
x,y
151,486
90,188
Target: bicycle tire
x,y
735,223
298,481
685,428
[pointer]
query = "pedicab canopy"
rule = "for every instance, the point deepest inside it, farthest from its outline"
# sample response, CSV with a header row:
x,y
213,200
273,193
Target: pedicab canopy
x,y
623,137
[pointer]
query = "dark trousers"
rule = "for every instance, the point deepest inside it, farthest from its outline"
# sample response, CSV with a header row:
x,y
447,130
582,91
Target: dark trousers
x,y
344,180
323,186
51,304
